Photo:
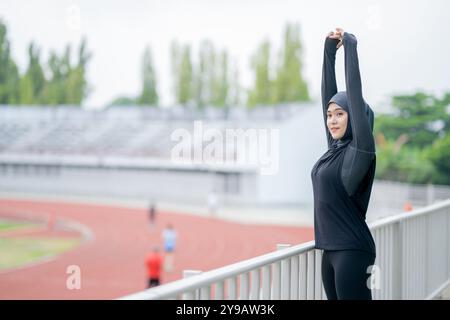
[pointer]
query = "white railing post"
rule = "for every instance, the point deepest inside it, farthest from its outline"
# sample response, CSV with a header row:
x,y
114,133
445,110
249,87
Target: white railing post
x,y
310,284
383,256
254,289
294,278
243,294
205,293
285,274
318,275
389,272
448,242
276,282
219,290
397,263
427,254
191,295
266,282
232,288
302,281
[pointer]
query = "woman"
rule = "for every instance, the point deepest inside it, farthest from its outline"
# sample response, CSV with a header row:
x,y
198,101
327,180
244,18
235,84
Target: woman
x,y
342,178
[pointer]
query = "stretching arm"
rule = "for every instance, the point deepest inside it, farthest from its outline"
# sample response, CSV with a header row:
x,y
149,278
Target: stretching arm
x,y
362,133
360,155
329,87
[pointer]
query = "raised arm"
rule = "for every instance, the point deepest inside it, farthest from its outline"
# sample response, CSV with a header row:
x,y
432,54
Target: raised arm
x,y
360,156
362,134
329,87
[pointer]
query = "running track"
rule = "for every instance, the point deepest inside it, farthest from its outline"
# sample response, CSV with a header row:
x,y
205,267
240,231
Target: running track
x,y
112,264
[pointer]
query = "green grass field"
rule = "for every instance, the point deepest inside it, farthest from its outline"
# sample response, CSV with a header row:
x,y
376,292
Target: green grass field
x,y
15,252
13,225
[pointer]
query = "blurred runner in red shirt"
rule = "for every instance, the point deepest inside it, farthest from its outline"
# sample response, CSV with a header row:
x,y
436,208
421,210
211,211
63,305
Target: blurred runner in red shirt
x,y
154,263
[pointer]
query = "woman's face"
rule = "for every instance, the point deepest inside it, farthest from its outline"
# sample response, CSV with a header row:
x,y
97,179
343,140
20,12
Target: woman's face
x,y
336,120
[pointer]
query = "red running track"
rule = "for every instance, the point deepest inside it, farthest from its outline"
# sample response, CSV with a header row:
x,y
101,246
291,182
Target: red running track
x,y
112,264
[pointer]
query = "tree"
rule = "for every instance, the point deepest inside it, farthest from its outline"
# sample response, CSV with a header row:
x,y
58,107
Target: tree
x,y
185,80
289,83
77,86
261,92
415,140
234,90
439,155
398,162
208,81
221,81
182,73
67,84
204,76
54,91
423,118
148,95
9,74
175,68
32,83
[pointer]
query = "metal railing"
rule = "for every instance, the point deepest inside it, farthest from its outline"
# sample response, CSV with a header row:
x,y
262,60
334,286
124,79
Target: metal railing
x,y
413,253
413,262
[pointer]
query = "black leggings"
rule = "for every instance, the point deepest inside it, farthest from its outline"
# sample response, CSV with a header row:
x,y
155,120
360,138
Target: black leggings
x,y
345,274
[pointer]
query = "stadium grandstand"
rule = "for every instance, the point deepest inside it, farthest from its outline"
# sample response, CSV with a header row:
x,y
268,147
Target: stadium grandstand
x,y
130,146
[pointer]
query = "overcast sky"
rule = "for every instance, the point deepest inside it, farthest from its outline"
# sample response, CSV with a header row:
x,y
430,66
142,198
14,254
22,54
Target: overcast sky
x,y
403,45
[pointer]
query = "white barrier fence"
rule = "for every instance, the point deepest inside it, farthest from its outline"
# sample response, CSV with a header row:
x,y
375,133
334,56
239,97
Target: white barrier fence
x,y
413,262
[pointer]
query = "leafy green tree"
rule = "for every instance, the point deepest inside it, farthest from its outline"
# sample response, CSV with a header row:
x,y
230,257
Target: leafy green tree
x,y
439,155
234,92
261,92
204,76
182,73
32,83
423,118
67,83
289,83
208,81
9,73
396,161
185,82
221,83
76,84
415,143
149,95
54,91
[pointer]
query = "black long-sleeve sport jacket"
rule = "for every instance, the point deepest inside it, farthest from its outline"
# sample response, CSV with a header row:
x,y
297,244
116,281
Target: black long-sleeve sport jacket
x,y
342,178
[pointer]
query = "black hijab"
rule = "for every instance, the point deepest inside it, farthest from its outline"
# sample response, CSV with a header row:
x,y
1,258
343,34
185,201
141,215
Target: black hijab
x,y
337,145
341,100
